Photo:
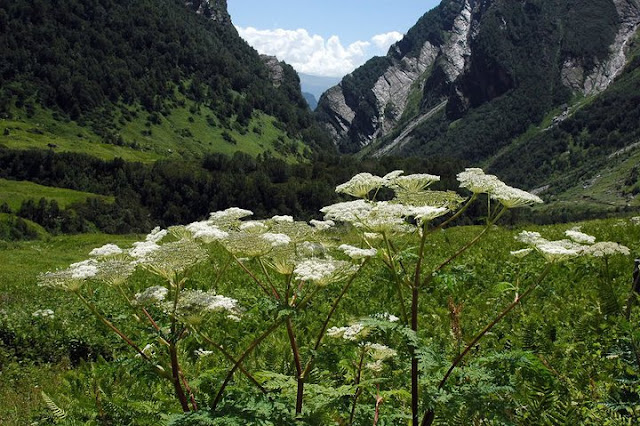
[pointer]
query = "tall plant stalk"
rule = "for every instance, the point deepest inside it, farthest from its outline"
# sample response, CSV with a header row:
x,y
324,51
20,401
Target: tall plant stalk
x,y
429,415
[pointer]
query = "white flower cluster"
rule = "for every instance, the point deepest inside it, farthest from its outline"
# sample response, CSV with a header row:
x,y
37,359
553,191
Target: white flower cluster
x,y
322,271
606,249
580,237
230,214
206,231
174,257
83,270
361,185
386,317
379,353
276,240
197,301
151,295
581,244
552,251
411,183
106,250
282,219
427,213
635,220
476,181
201,352
142,249
352,332
357,253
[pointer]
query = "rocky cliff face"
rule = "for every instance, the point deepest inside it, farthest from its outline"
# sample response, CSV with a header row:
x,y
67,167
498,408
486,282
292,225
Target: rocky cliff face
x,y
432,67
579,78
216,10
469,52
276,71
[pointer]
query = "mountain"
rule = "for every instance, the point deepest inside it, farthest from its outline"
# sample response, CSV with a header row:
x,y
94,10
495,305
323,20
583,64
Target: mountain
x,y
315,84
311,100
474,79
143,80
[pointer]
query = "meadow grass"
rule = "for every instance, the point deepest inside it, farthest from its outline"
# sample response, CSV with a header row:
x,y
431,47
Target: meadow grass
x,y
481,281
15,192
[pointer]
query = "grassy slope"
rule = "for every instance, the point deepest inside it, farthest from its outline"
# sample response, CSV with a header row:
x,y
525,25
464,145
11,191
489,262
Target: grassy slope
x,y
15,192
180,135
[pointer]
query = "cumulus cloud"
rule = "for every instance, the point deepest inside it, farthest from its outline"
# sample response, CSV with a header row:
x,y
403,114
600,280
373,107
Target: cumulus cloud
x,y
312,54
383,41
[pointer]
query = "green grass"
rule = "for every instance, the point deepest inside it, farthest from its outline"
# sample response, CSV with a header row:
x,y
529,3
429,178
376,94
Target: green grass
x,y
187,132
41,130
15,192
480,281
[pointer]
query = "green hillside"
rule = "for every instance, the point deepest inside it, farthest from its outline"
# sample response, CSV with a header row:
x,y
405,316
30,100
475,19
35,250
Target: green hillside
x,y
15,192
141,80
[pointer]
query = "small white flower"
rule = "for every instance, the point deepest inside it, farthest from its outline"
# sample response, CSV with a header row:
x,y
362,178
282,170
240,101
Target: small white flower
x,y
635,220
386,316
201,352
277,240
381,352
351,332
106,250
375,366
201,301
44,313
372,236
348,211
357,253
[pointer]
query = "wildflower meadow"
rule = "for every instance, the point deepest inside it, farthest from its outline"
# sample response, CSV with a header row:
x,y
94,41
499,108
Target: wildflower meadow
x,y
386,311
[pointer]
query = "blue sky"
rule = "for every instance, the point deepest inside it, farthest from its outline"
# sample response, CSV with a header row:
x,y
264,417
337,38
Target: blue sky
x,y
325,37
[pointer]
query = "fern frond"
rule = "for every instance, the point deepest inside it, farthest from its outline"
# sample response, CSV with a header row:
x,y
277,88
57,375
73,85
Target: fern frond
x,y
57,412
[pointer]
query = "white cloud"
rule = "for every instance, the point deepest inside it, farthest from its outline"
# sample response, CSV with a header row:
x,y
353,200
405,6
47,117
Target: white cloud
x,y
383,41
312,54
